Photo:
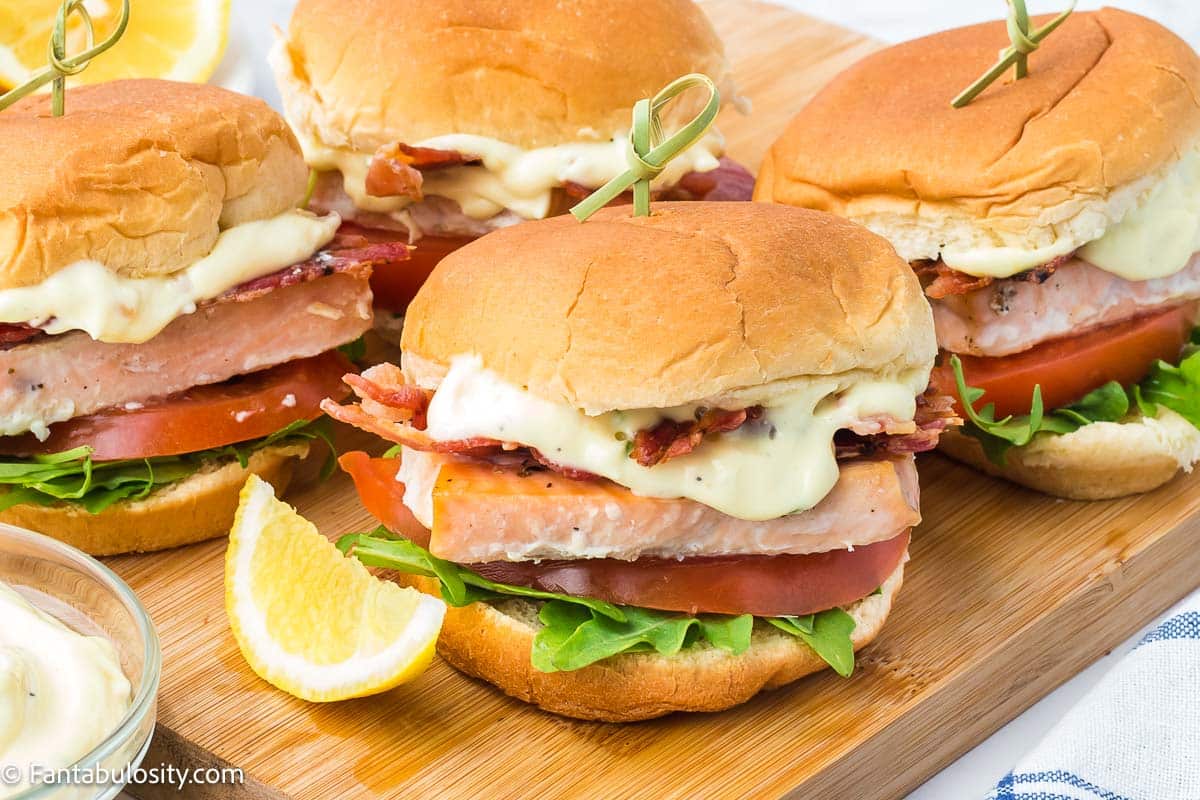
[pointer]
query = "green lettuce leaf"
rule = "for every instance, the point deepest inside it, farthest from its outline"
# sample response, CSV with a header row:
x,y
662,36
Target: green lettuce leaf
x,y
1109,403
1174,387
827,633
73,476
578,631
356,351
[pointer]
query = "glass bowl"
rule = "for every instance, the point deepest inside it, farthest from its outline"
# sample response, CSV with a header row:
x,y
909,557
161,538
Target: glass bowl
x,y
87,597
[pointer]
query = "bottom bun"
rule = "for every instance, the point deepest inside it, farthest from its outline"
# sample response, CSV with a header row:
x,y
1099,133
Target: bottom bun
x,y
194,509
1097,462
493,642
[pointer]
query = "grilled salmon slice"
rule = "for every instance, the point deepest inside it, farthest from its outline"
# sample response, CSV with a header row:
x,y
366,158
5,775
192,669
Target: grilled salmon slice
x,y
1012,316
57,378
484,512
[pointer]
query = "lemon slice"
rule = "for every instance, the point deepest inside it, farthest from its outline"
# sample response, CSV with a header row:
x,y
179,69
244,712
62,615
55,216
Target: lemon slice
x,y
311,621
182,40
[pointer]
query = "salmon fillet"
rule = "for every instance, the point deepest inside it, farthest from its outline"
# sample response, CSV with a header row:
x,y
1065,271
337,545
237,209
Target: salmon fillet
x,y
60,377
477,511
1012,316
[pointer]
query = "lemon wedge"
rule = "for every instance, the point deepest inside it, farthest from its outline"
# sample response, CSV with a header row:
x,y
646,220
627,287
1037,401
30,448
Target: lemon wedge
x,y
311,621
182,40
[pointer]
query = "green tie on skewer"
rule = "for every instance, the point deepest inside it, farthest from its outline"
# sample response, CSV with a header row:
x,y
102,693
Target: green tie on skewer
x,y
648,151
1016,55
60,66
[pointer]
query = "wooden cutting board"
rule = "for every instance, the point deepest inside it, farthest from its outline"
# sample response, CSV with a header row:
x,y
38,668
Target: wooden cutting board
x,y
1008,594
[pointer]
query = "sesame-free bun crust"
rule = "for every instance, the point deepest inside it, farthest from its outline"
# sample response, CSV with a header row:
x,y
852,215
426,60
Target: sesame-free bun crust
x,y
195,509
358,75
140,175
493,642
695,302
1097,462
1109,104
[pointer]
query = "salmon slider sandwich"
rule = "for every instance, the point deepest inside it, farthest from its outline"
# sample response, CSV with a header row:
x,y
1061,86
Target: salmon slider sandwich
x,y
654,463
437,121
168,314
1054,219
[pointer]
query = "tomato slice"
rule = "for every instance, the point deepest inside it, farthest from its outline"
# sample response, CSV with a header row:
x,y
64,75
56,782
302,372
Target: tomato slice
x,y
766,586
238,410
1069,368
761,585
395,285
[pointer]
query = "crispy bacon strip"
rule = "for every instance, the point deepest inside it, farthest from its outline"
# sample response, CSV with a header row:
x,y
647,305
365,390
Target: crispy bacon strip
x,y
729,181
935,413
15,333
395,169
328,261
943,281
670,439
405,434
404,397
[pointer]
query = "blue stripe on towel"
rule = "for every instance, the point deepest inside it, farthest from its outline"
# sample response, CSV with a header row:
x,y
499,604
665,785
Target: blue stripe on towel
x,y
1006,789
1183,626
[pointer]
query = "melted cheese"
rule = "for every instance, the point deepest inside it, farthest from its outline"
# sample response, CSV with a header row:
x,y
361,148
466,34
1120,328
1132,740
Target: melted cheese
x,y
90,297
757,472
511,177
1156,238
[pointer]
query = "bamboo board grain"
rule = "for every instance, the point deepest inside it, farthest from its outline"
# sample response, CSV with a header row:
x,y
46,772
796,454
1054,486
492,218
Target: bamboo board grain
x,y
1008,594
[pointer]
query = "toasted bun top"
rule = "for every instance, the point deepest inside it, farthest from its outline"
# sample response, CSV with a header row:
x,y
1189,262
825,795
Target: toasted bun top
x,y
140,175
541,72
691,303
1111,97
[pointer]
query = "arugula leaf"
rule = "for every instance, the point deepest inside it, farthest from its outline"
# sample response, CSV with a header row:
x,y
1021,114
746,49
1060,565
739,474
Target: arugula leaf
x,y
1109,403
560,620
726,632
827,633
578,631
460,586
73,476
1175,387
356,351
599,638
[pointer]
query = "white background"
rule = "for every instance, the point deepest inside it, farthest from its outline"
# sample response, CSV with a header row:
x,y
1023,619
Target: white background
x,y
890,20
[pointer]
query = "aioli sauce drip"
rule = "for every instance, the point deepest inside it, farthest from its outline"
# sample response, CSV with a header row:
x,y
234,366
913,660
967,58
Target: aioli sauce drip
x,y
61,693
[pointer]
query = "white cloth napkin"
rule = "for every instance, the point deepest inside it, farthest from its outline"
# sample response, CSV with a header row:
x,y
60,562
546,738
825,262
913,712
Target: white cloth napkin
x,y
1135,736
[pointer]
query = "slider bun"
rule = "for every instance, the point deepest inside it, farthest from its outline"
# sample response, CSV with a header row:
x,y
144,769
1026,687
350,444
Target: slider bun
x,y
195,509
358,75
140,175
1097,462
697,302
1109,105
493,642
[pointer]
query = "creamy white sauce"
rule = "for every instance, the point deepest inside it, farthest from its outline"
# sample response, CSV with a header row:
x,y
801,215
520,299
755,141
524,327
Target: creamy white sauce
x,y
90,297
1157,237
511,178
61,693
761,471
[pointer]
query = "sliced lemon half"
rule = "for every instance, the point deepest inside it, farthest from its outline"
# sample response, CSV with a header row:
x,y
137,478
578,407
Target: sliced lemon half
x,y
181,40
311,621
